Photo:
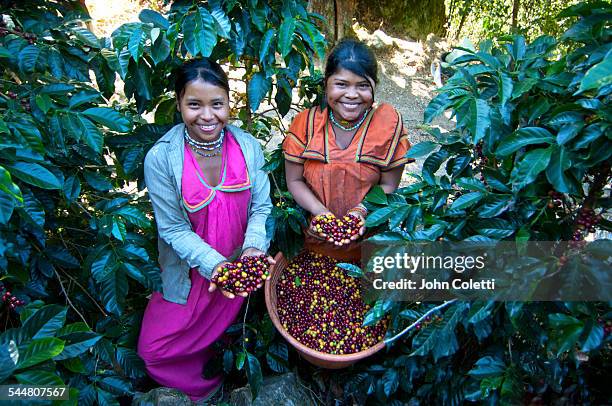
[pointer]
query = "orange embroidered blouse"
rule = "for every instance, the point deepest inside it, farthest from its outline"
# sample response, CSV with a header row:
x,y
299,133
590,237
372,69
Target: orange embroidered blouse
x,y
340,178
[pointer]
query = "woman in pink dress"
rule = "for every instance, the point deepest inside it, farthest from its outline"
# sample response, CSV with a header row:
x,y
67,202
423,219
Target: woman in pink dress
x,y
211,201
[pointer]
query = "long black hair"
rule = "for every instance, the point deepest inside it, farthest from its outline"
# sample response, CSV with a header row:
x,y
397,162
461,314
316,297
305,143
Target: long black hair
x,y
354,56
199,68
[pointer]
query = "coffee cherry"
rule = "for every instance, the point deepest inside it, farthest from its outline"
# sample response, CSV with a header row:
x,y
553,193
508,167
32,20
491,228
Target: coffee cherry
x,y
321,306
337,230
243,275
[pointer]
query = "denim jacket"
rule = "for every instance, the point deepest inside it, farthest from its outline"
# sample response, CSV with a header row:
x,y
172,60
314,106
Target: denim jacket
x,y
180,248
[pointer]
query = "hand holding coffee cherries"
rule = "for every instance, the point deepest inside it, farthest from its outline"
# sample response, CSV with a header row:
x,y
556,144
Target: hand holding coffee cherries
x,y
241,277
339,231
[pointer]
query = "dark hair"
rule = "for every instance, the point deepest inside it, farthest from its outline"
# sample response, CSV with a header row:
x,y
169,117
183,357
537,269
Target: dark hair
x,y
200,68
353,56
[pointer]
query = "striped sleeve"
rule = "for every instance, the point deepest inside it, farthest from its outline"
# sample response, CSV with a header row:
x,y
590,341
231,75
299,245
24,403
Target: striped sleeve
x,y
398,158
295,139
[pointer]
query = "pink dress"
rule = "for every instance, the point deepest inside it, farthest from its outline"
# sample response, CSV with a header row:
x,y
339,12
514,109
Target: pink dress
x,y
175,340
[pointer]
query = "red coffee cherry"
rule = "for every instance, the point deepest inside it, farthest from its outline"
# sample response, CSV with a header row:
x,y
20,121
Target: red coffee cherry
x,y
243,275
322,307
337,230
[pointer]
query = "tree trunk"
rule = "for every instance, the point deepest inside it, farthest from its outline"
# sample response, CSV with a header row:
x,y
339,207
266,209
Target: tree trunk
x,y
515,9
339,15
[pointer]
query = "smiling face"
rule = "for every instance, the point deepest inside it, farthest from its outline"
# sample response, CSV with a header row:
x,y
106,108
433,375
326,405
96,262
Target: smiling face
x,y
205,109
348,95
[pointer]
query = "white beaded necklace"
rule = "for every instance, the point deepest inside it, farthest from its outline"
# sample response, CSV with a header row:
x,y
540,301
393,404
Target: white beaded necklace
x,y
196,146
351,128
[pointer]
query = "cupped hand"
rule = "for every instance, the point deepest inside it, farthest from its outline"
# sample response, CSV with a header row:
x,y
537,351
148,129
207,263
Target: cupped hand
x,y
312,229
254,252
213,286
362,229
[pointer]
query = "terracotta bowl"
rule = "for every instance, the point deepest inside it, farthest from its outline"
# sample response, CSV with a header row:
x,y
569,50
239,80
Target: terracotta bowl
x,y
320,359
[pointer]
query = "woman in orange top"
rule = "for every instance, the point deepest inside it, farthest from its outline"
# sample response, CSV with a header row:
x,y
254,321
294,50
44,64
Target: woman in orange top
x,y
335,154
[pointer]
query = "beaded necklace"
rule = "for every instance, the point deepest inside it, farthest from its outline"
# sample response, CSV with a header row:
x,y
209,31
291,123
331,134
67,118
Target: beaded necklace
x,y
196,146
351,128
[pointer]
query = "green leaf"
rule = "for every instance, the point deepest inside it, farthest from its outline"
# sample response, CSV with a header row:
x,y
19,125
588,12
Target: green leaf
x,y
471,184
9,356
523,137
277,357
505,88
44,102
259,86
432,164
105,398
523,86
103,265
421,149
91,134
7,186
7,205
133,215
594,338
480,119
495,228
160,50
72,188
222,22
265,46
598,76
285,36
86,36
32,211
379,216
97,181
567,331
352,270
45,322
240,358
131,363
114,291
205,32
487,367
555,172
228,361
390,380
34,174
254,374
117,385
189,34
40,350
568,132
83,97
530,166
467,200
39,378
495,207
77,344
110,118
376,195
436,106
31,58
297,281
135,45
399,216
153,17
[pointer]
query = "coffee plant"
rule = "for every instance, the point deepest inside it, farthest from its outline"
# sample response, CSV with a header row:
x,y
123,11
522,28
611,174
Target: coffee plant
x,y
528,160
